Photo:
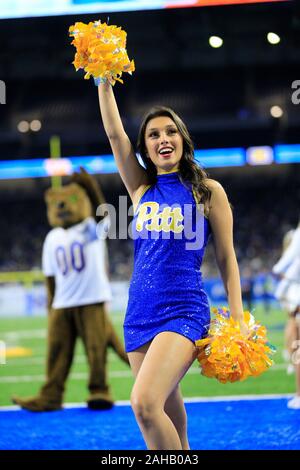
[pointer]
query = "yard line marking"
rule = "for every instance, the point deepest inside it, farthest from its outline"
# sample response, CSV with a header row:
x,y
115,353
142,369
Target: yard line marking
x,y
40,333
74,376
25,334
112,374
40,360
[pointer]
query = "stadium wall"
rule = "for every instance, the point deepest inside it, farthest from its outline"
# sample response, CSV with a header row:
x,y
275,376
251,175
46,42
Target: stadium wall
x,y
23,299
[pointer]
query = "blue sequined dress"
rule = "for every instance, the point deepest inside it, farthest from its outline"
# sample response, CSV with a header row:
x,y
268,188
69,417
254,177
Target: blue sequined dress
x,y
166,291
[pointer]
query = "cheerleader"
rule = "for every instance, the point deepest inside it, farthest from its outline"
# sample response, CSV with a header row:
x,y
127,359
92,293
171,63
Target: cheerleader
x,y
168,308
287,269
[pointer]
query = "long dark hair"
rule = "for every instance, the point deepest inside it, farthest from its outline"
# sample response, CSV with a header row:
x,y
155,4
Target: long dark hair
x,y
189,170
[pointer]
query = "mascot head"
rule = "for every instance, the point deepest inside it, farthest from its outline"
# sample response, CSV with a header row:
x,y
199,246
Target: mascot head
x,y
68,205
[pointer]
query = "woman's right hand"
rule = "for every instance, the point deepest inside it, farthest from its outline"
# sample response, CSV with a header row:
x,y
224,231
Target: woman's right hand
x,y
244,328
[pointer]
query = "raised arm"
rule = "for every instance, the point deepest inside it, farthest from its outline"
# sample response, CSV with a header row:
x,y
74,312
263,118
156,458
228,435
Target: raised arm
x,y
132,173
220,218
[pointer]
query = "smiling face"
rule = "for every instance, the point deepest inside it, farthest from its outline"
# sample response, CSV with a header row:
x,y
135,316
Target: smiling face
x,y
164,143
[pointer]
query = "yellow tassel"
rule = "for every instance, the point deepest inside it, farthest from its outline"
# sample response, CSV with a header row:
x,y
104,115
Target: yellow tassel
x,y
227,355
101,51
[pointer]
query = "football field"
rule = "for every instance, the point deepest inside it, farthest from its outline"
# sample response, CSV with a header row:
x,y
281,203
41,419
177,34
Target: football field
x,y
23,374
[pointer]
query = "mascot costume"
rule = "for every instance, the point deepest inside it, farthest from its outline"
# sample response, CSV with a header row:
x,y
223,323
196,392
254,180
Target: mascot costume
x,y
76,269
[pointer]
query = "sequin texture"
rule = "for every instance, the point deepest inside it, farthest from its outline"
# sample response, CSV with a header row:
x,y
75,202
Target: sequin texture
x,y
166,291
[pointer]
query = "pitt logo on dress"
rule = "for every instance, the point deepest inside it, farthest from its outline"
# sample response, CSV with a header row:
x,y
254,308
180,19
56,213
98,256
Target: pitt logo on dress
x,y
168,220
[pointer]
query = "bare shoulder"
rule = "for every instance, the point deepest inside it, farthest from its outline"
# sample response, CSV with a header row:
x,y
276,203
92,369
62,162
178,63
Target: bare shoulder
x,y
219,203
213,185
217,190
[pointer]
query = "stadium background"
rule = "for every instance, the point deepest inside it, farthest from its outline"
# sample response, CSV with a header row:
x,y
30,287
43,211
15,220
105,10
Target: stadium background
x,y
224,95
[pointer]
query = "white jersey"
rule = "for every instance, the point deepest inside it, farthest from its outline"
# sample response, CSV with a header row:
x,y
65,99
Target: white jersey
x,y
76,257
288,289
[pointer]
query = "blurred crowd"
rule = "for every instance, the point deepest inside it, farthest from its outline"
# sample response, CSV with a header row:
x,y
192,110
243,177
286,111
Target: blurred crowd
x,y
262,215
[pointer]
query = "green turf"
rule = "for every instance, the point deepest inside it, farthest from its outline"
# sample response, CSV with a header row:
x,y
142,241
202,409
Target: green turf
x,y
24,375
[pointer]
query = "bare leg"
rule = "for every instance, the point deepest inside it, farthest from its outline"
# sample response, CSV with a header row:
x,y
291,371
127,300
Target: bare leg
x,y
294,403
174,406
290,334
167,359
175,409
297,355
297,371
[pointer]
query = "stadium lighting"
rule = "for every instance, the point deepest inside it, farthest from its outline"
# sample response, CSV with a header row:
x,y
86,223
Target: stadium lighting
x,y
34,8
215,42
23,126
105,164
35,125
273,38
276,111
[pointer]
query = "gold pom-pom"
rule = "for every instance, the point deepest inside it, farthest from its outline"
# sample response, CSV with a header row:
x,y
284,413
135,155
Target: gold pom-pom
x,y
101,51
227,355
